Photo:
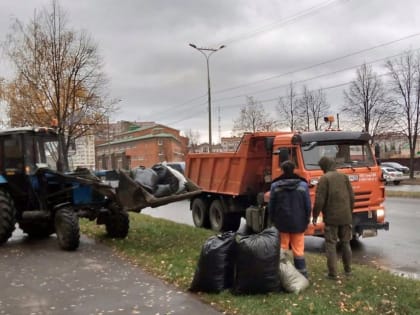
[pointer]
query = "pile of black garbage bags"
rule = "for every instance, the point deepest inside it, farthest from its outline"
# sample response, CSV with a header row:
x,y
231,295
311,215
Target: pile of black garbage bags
x,y
160,180
246,264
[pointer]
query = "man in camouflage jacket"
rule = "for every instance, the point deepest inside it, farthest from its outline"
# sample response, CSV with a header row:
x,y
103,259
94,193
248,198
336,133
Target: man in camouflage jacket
x,y
335,199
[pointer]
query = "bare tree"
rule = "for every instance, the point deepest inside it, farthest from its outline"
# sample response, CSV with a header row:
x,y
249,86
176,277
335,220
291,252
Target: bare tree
x,y
312,108
288,109
193,139
58,78
366,103
405,86
1,87
253,118
3,119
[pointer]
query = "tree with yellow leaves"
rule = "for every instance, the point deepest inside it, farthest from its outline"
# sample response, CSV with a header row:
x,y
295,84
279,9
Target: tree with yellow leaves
x,y
58,77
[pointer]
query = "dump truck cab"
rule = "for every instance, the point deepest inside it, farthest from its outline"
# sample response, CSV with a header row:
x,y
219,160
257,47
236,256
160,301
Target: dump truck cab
x,y
237,184
353,156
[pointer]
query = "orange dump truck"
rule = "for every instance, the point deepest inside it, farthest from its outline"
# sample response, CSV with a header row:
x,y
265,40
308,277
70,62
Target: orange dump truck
x,y
237,184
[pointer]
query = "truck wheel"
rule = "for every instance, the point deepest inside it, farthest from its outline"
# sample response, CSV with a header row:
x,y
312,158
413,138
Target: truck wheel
x,y
200,213
37,229
218,218
66,224
7,216
117,223
396,182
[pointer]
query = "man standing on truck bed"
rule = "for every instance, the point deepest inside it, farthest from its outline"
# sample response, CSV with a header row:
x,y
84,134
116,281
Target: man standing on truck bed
x,y
335,199
290,208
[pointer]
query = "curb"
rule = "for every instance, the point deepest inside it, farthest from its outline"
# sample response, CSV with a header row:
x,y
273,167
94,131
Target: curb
x,y
402,194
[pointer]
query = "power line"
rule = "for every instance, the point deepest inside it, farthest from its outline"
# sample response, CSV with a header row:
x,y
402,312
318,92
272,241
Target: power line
x,y
297,82
215,92
313,78
289,20
318,64
301,94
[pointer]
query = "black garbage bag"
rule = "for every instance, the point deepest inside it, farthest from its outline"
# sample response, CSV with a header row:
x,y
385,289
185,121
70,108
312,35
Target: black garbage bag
x,y
257,262
163,190
165,177
146,177
214,271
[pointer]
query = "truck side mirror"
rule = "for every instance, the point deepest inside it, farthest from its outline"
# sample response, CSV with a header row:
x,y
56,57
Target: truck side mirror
x,y
269,144
283,154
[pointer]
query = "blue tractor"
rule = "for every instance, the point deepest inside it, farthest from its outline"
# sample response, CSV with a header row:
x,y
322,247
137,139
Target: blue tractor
x,y
44,201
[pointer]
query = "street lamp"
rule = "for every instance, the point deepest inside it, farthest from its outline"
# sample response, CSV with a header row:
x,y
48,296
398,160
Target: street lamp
x,y
207,52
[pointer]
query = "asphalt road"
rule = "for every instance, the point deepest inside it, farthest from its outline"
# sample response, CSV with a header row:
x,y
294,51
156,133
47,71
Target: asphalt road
x,y
37,278
396,250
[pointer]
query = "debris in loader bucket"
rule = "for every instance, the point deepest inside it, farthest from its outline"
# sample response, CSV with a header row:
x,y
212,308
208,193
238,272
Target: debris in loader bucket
x,y
135,197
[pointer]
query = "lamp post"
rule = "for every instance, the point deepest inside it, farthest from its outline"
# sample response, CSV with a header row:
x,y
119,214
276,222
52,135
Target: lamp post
x,y
207,52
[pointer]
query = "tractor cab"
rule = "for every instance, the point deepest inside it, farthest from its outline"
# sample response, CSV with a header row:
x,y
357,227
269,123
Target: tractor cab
x,y
22,152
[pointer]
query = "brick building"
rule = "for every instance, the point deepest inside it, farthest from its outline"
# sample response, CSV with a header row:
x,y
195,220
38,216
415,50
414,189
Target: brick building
x,y
140,144
230,144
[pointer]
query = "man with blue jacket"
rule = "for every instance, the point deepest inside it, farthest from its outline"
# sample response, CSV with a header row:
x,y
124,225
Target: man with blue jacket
x,y
290,208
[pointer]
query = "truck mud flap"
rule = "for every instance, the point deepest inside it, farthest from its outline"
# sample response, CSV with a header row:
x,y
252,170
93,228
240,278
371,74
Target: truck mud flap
x,y
134,197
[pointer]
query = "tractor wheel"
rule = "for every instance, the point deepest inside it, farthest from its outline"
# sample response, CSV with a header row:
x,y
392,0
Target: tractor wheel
x,y
218,218
200,213
117,223
7,216
37,229
67,228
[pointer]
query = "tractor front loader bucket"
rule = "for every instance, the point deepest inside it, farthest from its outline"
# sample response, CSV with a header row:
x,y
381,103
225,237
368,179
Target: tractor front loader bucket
x,y
134,197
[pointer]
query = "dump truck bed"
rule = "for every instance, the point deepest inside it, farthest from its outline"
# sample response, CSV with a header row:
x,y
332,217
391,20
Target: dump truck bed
x,y
246,171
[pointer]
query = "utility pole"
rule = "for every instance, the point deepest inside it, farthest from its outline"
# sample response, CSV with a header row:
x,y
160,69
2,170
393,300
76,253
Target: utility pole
x,y
219,123
207,52
109,146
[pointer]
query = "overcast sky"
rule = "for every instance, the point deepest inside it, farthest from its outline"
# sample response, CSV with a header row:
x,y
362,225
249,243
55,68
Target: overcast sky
x,y
159,77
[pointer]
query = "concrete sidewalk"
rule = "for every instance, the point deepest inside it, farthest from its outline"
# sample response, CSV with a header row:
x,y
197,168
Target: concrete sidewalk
x,y
38,278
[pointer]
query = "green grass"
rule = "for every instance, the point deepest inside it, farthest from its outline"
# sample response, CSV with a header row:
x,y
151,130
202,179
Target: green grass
x,y
170,251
